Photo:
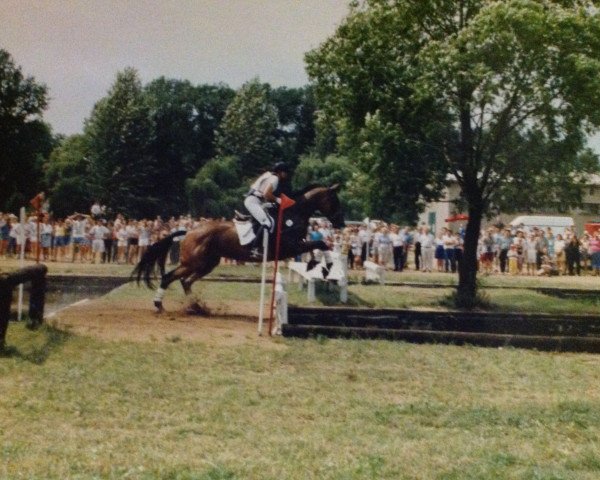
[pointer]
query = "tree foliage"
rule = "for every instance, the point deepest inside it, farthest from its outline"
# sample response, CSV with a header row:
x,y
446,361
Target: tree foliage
x,y
330,171
68,176
184,119
249,129
120,132
25,140
217,189
500,94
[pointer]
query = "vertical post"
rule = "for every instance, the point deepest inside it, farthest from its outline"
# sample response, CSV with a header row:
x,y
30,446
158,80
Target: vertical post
x,y
285,202
38,296
263,281
21,262
5,299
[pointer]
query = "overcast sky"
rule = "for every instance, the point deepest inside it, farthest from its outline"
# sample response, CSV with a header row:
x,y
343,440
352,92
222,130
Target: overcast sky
x,y
76,47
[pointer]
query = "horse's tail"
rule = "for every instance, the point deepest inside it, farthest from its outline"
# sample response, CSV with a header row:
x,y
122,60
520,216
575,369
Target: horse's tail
x,y
155,255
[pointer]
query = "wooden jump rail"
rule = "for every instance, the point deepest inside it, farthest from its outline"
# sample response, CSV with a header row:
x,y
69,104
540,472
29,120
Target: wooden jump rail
x,y
35,274
567,333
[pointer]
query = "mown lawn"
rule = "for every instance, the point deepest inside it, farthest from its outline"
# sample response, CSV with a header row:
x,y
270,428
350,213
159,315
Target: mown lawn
x,y
79,407
75,407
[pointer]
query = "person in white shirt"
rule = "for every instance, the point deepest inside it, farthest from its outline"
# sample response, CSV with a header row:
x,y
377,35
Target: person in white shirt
x,y
261,191
98,233
427,249
397,248
78,231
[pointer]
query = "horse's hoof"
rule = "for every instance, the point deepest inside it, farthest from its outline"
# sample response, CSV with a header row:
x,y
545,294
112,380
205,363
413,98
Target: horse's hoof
x,y
196,309
159,307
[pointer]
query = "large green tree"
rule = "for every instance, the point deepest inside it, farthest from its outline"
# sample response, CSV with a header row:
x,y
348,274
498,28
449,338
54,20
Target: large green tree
x,y
217,189
249,129
500,95
68,176
185,118
296,129
331,170
25,140
119,133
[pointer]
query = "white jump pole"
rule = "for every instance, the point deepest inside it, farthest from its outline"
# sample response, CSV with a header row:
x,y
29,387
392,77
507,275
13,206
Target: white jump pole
x,y
21,260
263,281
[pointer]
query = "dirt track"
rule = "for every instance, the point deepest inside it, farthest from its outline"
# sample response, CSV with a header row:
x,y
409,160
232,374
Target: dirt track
x,y
234,324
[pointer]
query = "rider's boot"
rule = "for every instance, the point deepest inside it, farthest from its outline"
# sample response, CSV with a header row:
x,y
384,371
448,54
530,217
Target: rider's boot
x,y
256,245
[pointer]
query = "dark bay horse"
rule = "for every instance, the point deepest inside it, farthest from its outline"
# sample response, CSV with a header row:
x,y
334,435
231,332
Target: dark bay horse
x,y
203,248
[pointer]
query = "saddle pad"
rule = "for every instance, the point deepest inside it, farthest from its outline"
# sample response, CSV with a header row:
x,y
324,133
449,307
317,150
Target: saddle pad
x,y
245,232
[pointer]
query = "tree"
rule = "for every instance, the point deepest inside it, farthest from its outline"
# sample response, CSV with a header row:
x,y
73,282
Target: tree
x,y
296,130
25,140
217,188
119,133
67,174
329,171
501,93
249,129
185,118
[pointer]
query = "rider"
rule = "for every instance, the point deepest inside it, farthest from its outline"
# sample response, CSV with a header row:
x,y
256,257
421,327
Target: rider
x,y
262,191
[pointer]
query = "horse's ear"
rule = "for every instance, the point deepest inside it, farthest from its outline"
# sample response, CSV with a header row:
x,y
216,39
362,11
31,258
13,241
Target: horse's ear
x,y
335,187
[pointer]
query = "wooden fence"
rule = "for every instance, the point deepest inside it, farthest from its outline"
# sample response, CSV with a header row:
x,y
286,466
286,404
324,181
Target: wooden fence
x,y
35,274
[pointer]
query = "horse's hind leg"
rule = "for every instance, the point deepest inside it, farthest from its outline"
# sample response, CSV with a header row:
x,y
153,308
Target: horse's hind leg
x,y
194,307
166,280
203,269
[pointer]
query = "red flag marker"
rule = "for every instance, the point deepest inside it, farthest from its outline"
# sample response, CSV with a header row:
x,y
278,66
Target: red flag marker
x,y
286,202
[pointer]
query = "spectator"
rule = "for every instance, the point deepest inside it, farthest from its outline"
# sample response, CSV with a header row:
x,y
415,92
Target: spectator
x,y
559,254
439,252
449,241
504,243
98,233
573,255
397,248
513,260
594,249
531,254
487,252
427,247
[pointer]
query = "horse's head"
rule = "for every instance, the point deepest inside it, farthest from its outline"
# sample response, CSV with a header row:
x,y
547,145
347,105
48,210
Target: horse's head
x,y
326,201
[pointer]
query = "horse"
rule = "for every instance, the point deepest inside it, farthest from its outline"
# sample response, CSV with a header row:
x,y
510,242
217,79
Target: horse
x,y
202,248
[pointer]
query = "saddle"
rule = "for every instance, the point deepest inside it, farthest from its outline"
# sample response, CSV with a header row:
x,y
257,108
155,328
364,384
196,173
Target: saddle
x,y
241,217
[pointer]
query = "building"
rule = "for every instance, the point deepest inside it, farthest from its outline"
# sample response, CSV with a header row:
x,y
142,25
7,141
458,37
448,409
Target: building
x,y
437,213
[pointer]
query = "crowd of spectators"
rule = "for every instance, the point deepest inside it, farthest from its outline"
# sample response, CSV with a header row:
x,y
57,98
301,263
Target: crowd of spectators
x,y
502,250
94,238
87,238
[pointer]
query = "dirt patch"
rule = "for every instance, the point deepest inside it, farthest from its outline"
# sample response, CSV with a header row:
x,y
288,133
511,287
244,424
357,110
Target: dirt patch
x,y
132,320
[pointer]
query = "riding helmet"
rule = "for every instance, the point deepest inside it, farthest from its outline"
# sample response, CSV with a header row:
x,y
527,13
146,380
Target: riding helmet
x,y
281,167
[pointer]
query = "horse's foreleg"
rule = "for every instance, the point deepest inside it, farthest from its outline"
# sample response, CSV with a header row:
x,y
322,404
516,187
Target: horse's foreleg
x,y
165,281
318,245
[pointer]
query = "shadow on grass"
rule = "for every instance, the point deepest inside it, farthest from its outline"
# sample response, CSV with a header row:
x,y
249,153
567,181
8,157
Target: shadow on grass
x,y
329,295
481,302
36,349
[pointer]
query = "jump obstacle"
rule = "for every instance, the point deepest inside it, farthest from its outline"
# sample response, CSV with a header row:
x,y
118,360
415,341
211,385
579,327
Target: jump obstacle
x,y
338,276
35,274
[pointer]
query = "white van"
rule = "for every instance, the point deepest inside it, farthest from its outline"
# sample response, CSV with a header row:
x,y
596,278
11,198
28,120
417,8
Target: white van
x,y
557,224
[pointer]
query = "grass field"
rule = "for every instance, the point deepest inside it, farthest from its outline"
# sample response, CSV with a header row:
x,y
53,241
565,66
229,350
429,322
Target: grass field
x,y
76,407
408,276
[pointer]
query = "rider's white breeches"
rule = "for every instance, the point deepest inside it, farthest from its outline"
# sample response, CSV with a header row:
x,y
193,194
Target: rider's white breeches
x,y
254,206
